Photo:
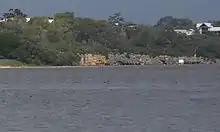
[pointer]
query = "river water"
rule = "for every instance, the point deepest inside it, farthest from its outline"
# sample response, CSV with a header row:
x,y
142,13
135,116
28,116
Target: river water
x,y
119,99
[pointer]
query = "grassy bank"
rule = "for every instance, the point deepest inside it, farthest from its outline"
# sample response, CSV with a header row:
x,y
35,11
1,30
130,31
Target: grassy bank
x,y
11,63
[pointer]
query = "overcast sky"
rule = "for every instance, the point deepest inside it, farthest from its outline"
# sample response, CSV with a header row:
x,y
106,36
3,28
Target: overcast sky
x,y
140,11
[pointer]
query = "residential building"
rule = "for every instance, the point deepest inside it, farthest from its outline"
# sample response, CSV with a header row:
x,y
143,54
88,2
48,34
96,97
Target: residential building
x,y
28,19
207,27
185,31
50,20
3,20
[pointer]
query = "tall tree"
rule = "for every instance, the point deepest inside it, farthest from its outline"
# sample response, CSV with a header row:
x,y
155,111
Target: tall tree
x,y
116,18
14,13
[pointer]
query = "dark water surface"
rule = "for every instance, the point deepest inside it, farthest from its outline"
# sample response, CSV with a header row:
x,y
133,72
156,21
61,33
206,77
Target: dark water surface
x,y
129,99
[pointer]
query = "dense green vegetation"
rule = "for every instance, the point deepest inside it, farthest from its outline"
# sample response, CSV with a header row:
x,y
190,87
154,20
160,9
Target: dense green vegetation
x,y
62,41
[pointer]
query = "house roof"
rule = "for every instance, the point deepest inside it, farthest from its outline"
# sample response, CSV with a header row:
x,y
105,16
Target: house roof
x,y
198,25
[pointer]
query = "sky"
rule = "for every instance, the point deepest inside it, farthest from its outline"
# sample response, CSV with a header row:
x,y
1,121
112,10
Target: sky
x,y
138,11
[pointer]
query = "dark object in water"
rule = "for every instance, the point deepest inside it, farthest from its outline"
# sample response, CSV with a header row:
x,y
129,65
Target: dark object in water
x,y
107,82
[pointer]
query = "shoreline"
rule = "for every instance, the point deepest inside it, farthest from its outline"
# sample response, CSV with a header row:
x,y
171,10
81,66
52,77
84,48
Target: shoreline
x,y
119,66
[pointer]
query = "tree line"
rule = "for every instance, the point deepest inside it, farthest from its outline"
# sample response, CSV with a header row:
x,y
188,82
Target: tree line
x,y
62,41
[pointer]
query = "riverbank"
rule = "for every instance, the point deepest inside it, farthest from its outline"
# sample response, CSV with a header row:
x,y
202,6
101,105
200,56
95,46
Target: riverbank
x,y
136,59
107,66
117,60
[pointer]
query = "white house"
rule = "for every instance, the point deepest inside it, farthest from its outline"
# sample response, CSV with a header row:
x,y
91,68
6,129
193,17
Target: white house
x,y
3,20
50,20
207,27
28,19
184,31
